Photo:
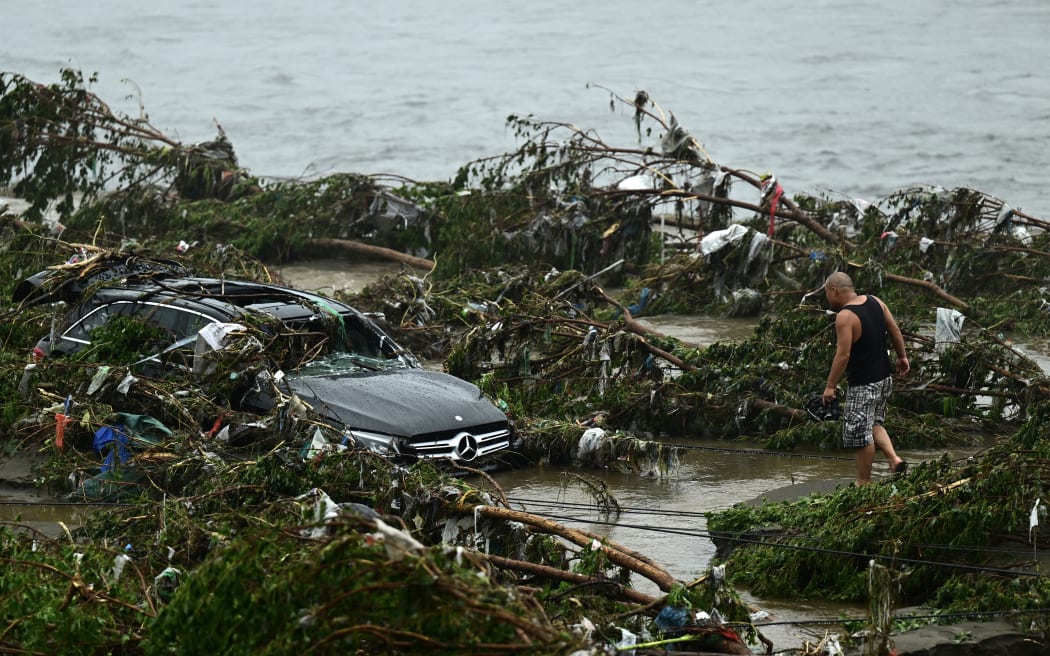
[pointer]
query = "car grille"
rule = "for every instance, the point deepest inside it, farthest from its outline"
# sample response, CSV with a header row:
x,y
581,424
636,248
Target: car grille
x,y
463,446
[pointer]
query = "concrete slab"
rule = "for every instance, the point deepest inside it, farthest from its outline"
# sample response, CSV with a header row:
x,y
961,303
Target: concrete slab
x,y
799,490
969,639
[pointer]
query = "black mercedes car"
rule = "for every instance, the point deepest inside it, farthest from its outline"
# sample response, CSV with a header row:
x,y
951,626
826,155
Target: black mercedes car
x,y
361,382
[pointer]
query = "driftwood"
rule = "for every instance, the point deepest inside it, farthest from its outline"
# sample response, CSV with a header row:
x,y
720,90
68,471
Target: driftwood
x,y
637,328
617,554
605,586
929,286
776,408
350,246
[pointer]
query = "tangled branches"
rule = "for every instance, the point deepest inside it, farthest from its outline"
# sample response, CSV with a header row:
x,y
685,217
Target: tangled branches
x,y
59,141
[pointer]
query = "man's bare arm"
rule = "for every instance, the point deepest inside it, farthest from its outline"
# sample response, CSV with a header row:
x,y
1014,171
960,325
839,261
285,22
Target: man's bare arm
x,y
845,325
897,339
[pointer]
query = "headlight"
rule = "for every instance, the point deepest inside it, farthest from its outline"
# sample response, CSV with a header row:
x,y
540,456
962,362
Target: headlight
x,y
385,445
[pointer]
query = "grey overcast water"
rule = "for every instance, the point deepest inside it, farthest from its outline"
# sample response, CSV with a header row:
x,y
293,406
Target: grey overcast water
x,y
839,96
854,98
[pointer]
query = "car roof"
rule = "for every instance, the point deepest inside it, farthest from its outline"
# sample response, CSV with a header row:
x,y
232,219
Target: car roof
x,y
168,282
229,298
68,282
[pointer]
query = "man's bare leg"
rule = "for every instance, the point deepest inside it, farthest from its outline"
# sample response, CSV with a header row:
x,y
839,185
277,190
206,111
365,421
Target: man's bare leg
x,y
865,457
884,444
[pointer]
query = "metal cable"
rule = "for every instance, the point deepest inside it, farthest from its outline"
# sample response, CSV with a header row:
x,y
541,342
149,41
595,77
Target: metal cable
x,y
758,452
799,547
702,515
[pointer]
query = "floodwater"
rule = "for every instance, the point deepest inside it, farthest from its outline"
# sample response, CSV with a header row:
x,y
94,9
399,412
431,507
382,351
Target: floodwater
x,y
664,518
50,517
327,276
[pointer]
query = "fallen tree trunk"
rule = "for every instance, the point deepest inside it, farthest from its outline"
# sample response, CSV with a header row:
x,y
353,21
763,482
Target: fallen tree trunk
x,y
359,248
929,286
776,408
932,288
617,555
637,328
607,587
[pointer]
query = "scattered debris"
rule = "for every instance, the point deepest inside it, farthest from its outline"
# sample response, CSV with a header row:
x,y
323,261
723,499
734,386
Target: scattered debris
x,y
526,276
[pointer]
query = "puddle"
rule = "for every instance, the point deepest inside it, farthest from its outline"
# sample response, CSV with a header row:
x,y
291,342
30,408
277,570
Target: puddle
x,y
26,508
700,330
335,275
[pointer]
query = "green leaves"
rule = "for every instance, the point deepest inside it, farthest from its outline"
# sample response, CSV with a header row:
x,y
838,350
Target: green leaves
x,y
61,144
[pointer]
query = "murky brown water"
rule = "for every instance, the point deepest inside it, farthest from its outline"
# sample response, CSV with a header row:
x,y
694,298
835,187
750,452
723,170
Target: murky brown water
x,y
43,513
698,330
326,276
664,518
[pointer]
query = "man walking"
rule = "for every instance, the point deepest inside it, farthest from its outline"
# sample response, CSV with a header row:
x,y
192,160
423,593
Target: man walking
x,y
861,327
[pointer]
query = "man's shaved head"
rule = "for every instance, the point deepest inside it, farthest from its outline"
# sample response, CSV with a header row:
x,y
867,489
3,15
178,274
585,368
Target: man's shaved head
x,y
839,280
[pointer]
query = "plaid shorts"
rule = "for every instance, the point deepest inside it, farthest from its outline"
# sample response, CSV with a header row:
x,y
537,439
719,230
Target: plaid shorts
x,y
865,407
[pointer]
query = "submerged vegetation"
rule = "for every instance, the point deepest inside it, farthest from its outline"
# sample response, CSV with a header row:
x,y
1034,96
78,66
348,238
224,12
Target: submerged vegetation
x,y
526,275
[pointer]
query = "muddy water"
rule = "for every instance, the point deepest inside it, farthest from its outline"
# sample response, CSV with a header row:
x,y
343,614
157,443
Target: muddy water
x,y
664,518
332,275
41,512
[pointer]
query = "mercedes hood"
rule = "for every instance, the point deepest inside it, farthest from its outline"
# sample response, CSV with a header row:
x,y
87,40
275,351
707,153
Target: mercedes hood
x,y
403,402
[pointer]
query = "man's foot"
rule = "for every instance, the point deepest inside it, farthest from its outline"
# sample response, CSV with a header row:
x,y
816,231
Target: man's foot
x,y
899,468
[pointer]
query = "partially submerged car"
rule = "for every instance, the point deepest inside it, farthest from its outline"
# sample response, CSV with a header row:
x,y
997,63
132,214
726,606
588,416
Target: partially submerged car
x,y
355,377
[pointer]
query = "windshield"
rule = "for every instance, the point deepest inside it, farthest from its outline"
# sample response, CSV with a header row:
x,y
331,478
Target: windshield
x,y
344,362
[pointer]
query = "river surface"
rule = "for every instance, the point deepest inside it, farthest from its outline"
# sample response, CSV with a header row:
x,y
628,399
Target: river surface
x,y
853,98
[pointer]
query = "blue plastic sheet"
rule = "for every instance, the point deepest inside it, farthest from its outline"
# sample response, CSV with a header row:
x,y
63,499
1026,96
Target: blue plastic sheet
x,y
113,441
116,441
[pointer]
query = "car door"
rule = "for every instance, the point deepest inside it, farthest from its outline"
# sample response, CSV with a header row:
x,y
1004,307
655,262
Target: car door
x,y
176,322
175,354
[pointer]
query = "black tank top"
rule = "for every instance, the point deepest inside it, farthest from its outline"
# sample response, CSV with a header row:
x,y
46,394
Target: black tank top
x,y
869,361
